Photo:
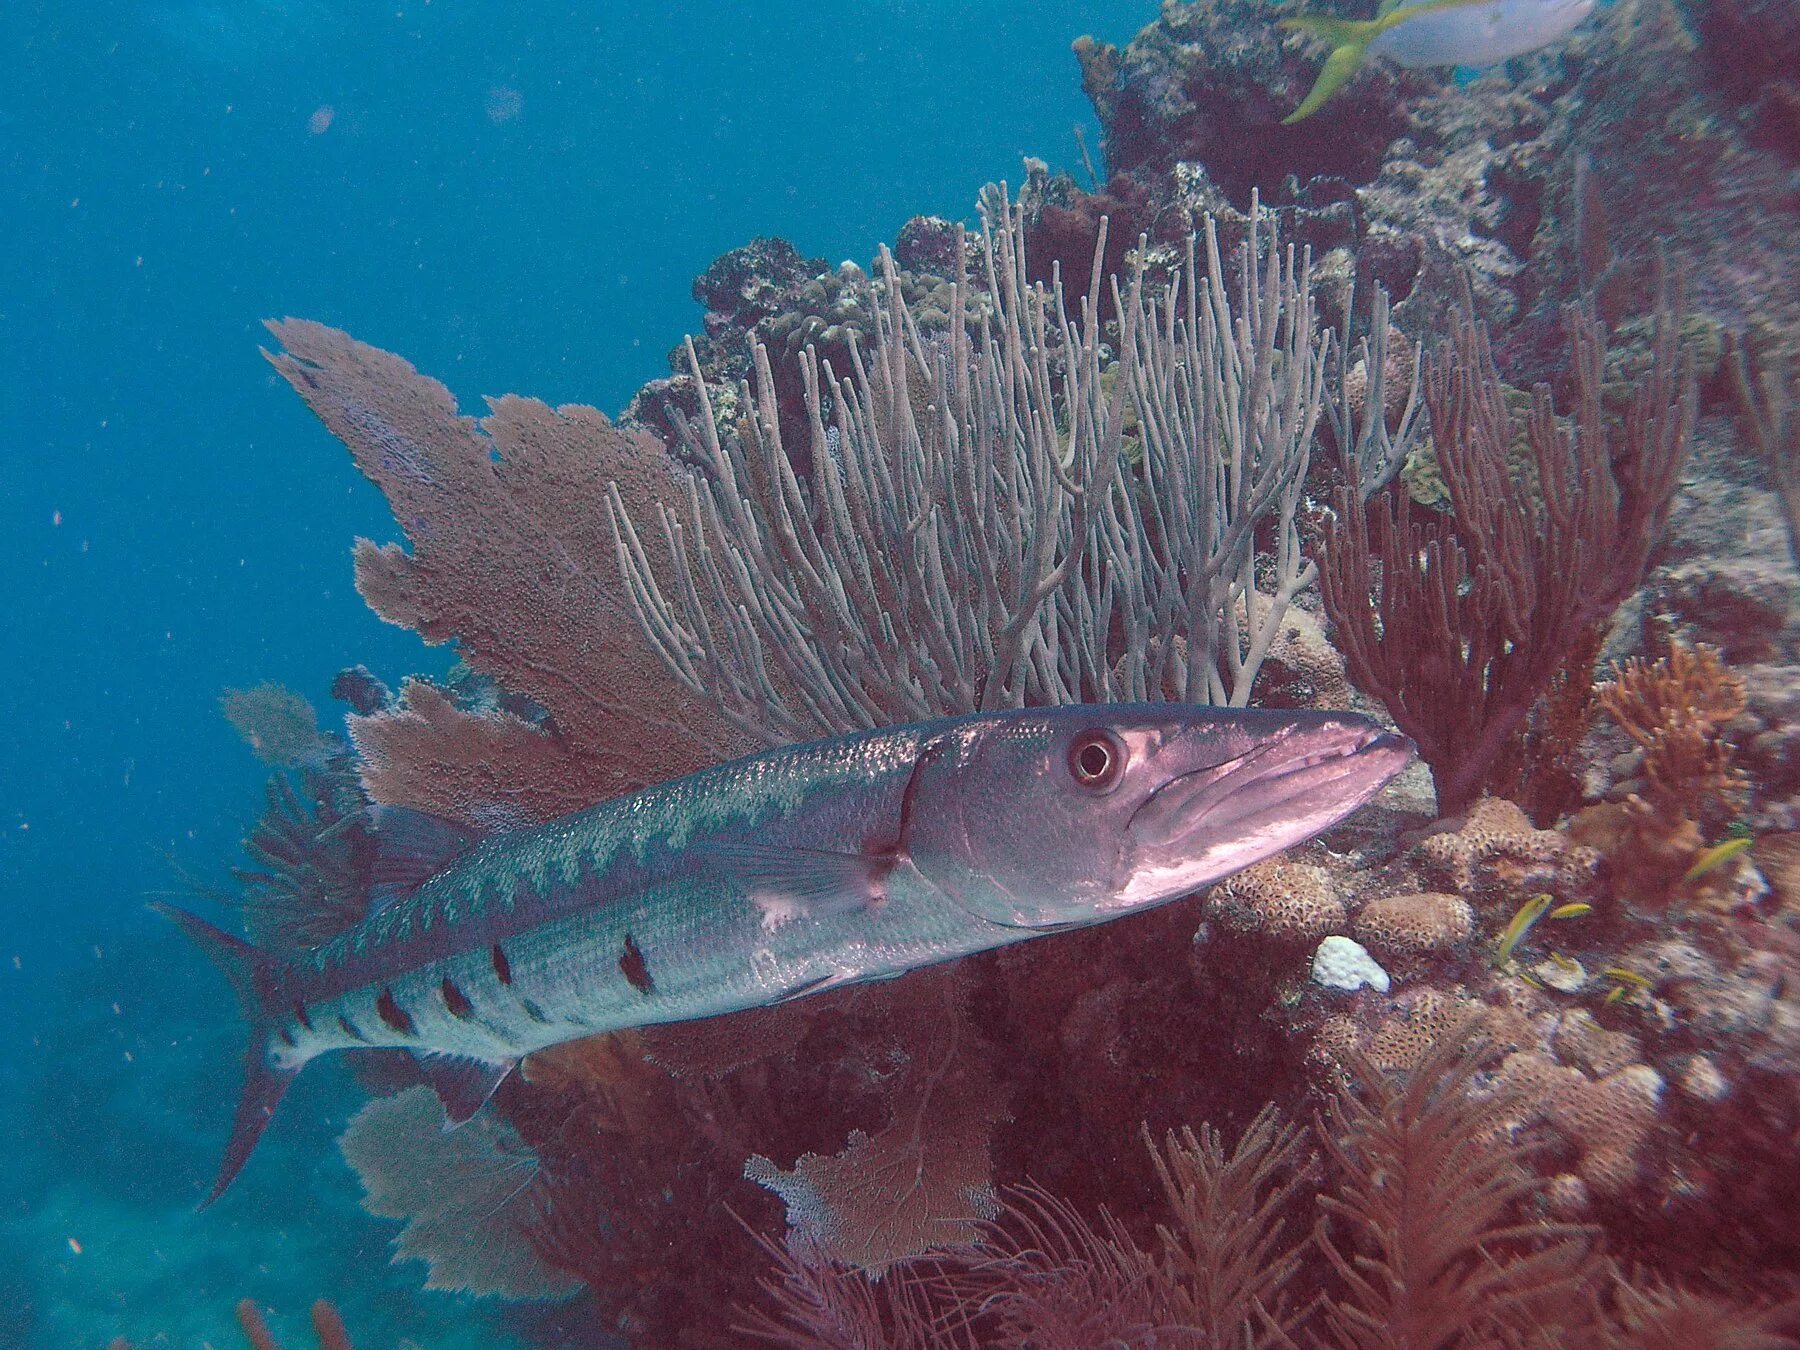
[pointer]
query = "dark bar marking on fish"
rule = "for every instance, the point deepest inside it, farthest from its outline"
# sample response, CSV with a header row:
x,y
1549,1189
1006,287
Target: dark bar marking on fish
x,y
502,967
286,1037
351,1030
534,1012
634,968
394,1015
455,1000
301,1017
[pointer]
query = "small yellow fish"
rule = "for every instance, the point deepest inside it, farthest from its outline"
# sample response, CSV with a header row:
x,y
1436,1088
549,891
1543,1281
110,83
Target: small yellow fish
x,y
1433,33
1715,857
1574,911
1529,913
1626,976
1618,992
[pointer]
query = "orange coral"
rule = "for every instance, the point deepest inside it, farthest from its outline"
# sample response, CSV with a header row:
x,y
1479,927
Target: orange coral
x,y
1677,708
1646,850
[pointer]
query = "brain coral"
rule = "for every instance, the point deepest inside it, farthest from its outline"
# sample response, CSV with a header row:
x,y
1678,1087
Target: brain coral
x,y
1496,845
1409,925
1286,901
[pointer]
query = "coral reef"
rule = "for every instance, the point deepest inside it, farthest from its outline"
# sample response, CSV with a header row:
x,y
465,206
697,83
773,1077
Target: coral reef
x,y
1459,624
972,533
466,1195
1552,1035
1280,900
1411,925
1210,83
1427,1234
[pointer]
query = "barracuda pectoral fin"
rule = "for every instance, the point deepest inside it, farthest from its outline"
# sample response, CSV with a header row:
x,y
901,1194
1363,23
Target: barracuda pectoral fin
x,y
789,882
462,1085
409,847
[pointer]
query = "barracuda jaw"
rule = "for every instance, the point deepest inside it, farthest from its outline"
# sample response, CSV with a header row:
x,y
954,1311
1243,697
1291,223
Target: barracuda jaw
x,y
1206,824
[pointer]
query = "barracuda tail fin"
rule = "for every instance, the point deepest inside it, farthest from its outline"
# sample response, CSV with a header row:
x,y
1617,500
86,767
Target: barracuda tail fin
x,y
264,1082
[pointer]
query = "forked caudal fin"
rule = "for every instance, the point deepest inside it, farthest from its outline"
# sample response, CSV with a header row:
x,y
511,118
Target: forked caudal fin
x,y
1349,40
264,1083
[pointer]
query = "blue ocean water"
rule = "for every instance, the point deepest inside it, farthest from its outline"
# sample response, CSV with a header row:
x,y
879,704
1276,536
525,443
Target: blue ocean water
x,y
1525,1011
516,197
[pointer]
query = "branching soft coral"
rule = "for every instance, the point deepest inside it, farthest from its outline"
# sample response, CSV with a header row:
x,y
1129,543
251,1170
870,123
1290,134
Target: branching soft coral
x,y
812,1301
1047,1276
307,858
1044,1275
1425,1227
1658,1316
1676,708
1228,1252
1458,624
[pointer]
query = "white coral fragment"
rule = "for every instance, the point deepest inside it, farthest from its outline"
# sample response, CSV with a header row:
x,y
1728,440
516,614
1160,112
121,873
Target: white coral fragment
x,y
1342,963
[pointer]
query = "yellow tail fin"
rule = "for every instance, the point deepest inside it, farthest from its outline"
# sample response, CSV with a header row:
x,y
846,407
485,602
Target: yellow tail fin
x,y
1349,39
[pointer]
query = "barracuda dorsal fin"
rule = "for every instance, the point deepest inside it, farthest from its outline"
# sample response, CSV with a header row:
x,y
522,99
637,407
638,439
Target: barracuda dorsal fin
x,y
789,882
462,1085
410,847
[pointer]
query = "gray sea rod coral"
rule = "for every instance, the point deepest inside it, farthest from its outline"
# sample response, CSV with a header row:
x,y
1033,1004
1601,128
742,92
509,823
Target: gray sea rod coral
x,y
965,528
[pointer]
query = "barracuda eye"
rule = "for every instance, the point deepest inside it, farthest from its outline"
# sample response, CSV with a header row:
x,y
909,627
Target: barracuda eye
x,y
1096,759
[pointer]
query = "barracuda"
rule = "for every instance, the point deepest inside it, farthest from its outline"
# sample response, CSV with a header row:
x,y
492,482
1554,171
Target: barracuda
x,y
784,874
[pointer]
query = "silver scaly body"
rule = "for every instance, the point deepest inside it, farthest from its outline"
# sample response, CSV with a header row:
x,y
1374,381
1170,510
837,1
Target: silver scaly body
x,y
635,912
782,874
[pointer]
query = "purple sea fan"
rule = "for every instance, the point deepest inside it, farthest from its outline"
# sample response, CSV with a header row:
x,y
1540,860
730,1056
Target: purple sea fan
x,y
465,1195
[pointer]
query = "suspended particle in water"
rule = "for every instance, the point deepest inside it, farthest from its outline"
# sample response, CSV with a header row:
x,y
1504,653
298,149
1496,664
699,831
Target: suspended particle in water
x,y
503,104
320,122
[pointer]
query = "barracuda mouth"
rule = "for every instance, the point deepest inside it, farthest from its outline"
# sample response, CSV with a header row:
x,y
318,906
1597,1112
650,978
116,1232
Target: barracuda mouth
x,y
1203,825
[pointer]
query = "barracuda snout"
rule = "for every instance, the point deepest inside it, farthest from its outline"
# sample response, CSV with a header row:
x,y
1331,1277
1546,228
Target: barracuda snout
x,y
1084,813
